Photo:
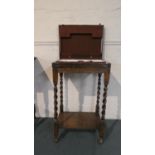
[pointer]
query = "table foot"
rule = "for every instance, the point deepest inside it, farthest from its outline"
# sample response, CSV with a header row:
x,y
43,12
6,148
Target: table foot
x,y
100,140
56,140
56,131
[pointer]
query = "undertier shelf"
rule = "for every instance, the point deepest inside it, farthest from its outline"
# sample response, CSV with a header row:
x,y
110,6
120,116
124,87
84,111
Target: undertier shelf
x,y
79,120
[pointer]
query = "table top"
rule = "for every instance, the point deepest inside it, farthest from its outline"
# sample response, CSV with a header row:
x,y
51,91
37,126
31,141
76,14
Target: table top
x,y
81,60
81,65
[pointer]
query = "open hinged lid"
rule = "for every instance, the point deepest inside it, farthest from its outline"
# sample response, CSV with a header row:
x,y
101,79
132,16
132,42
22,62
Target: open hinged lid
x,y
80,41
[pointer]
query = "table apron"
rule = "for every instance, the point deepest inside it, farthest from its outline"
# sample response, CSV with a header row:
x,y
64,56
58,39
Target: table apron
x,y
81,70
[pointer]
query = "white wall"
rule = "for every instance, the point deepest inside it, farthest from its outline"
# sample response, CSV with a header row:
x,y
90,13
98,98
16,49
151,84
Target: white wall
x,y
79,90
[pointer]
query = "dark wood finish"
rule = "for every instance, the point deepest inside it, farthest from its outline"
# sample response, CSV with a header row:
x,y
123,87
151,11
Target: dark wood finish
x,y
61,92
106,81
98,94
80,41
81,67
101,131
82,120
56,125
55,81
76,119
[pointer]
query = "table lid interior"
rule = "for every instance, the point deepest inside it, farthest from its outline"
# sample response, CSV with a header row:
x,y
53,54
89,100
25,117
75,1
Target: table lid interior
x,y
81,41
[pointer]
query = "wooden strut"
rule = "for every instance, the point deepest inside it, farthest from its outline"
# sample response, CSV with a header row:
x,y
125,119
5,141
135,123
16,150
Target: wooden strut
x,y
98,94
106,81
55,102
61,92
56,126
102,125
55,81
104,100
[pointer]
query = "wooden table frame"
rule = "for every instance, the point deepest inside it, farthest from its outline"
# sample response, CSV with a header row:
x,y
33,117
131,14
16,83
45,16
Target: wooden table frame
x,y
78,120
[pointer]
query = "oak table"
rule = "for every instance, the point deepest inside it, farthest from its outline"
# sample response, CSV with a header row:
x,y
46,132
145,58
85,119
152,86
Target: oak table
x,y
80,49
80,120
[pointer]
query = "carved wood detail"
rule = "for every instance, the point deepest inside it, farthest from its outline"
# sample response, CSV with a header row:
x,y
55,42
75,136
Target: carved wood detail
x,y
98,94
61,92
55,81
106,81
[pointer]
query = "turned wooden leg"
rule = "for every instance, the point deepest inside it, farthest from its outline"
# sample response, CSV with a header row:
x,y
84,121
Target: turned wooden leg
x,y
61,92
56,126
106,81
98,94
102,125
104,101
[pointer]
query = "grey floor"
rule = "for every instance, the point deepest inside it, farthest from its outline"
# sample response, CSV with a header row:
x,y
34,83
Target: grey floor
x,y
76,142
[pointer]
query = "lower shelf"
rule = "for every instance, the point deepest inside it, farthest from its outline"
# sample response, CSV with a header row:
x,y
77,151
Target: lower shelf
x,y
79,120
